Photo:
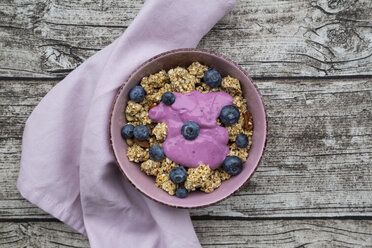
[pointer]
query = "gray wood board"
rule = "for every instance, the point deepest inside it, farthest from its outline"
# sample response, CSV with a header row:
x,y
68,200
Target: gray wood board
x,y
317,162
212,233
49,38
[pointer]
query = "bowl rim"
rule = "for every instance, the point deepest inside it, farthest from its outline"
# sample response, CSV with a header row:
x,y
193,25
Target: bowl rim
x,y
199,50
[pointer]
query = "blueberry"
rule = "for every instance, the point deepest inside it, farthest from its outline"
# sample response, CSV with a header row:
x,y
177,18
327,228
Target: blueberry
x,y
178,175
127,131
168,98
241,140
181,192
141,132
229,115
233,165
190,130
137,93
156,153
213,78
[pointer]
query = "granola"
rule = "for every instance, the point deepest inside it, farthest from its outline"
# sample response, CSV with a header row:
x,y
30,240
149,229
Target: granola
x,y
155,81
198,177
242,153
183,80
163,181
160,131
196,69
231,86
137,114
150,167
137,154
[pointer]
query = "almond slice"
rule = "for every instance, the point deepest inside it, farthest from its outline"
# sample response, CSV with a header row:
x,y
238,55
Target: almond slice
x,y
153,105
248,121
144,143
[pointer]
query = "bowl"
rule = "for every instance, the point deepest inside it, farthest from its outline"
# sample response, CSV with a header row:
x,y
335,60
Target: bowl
x,y
184,57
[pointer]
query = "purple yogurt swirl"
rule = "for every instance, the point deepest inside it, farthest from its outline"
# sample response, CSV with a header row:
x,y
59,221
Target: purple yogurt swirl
x,y
210,147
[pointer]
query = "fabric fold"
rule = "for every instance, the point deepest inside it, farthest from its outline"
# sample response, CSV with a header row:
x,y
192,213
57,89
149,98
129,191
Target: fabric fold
x,y
67,167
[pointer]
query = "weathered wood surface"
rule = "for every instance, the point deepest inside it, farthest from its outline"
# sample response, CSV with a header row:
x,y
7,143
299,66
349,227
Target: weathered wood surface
x,y
212,233
40,235
317,162
49,38
314,185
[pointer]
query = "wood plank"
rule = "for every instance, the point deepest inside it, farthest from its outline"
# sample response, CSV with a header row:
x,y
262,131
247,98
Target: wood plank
x,y
284,233
47,39
212,233
317,162
40,234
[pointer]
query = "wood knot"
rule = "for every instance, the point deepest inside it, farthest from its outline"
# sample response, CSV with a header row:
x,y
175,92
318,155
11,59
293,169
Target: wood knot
x,y
335,4
340,37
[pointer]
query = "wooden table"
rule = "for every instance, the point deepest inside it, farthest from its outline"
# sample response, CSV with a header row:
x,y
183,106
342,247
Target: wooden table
x,y
311,60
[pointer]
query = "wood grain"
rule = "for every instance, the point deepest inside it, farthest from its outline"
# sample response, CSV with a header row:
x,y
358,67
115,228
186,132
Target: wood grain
x,y
269,38
284,233
317,162
40,235
313,187
212,233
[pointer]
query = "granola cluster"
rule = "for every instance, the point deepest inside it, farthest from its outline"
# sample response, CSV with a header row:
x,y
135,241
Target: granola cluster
x,y
162,178
151,167
160,131
137,114
196,69
137,153
183,80
205,179
232,86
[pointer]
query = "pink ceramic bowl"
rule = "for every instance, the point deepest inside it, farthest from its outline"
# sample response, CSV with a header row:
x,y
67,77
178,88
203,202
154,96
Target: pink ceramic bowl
x,y
184,57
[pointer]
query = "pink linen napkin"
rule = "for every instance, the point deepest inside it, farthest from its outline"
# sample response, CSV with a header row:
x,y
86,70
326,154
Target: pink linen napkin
x,y
67,167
